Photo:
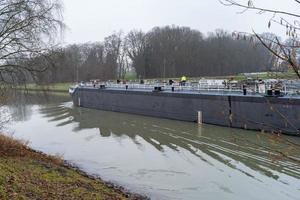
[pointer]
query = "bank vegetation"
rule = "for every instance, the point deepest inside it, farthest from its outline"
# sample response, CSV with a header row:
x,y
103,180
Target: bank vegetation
x,y
27,174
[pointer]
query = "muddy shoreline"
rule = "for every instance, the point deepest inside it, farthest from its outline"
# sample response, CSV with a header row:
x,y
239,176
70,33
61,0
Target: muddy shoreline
x,y
129,194
26,173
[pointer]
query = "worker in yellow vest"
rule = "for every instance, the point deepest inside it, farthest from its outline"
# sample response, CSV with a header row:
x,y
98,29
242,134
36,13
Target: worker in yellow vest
x,y
183,80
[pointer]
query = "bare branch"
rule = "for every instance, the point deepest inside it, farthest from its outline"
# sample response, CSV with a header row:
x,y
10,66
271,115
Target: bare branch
x,y
252,7
27,28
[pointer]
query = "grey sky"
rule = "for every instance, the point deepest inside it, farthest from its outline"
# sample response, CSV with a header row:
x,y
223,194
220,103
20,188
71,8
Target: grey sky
x,y
92,20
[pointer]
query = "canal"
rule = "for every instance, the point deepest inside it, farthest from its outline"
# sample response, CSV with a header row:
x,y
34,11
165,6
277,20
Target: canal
x,y
163,159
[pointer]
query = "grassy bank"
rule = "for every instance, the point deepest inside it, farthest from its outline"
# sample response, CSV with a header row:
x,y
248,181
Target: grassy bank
x,y
55,87
26,174
267,75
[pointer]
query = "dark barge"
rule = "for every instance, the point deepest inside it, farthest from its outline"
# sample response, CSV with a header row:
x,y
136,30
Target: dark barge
x,y
278,114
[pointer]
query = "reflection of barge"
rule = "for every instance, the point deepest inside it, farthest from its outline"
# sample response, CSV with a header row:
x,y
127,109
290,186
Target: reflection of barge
x,y
215,106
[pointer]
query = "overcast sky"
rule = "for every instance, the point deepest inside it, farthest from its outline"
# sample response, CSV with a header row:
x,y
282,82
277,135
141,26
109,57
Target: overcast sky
x,y
92,20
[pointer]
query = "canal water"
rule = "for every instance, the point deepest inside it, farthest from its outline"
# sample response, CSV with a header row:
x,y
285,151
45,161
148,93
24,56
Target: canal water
x,y
163,159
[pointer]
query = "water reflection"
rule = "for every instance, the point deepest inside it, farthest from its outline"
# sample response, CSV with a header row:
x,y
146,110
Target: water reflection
x,y
255,150
254,155
20,103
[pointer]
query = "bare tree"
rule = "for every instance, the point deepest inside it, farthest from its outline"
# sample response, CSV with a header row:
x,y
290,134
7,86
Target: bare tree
x,y
287,52
27,31
122,60
113,46
28,28
135,47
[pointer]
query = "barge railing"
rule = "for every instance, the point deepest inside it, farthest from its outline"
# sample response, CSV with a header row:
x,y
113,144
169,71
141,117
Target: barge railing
x,y
165,87
190,87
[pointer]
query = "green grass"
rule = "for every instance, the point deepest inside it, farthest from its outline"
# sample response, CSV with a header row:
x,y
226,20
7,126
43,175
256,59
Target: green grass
x,y
269,75
25,174
55,87
130,76
263,76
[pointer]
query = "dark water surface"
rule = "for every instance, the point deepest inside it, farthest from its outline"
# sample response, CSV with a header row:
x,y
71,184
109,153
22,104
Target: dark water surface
x,y
161,158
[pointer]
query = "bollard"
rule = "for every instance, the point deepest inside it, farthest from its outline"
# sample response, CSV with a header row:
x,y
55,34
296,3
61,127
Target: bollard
x,y
269,92
157,89
277,93
200,117
79,101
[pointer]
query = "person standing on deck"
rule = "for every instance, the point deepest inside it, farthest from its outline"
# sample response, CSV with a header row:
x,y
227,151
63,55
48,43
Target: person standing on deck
x,y
183,80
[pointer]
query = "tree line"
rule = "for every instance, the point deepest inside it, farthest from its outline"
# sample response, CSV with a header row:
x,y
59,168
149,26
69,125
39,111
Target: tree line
x,y
163,52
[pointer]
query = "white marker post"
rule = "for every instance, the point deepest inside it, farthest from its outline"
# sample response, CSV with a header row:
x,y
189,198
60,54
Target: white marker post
x,y
200,117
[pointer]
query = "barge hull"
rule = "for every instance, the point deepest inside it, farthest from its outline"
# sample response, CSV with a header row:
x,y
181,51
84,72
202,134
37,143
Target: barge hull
x,y
272,114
